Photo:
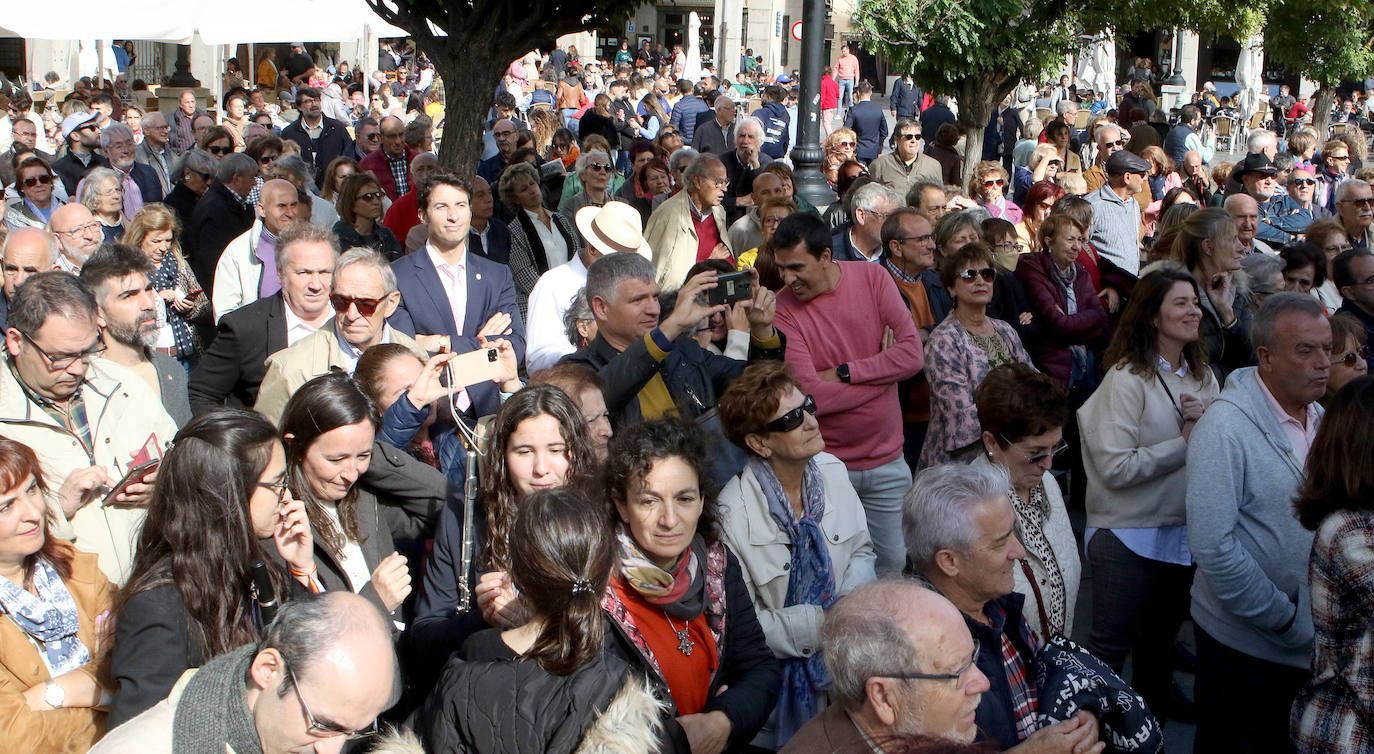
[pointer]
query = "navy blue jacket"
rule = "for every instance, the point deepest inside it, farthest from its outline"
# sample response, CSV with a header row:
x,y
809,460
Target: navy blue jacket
x,y
994,715
935,116
334,142
1174,143
148,184
776,126
424,309
684,117
870,125
497,247
906,99
490,169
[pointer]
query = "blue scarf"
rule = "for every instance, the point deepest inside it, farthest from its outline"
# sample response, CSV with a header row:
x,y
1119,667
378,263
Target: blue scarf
x,y
49,617
812,582
165,278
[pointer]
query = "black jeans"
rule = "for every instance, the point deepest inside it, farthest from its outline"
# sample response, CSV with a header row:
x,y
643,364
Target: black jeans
x,y
1243,702
1138,606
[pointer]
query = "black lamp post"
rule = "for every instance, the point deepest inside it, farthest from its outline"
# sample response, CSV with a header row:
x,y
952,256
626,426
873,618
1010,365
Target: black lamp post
x,y
181,72
807,154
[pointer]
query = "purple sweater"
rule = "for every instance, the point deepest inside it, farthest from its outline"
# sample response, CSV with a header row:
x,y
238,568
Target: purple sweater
x,y
860,421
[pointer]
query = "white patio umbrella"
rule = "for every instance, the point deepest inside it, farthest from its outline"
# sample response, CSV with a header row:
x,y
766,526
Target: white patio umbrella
x,y
1097,66
1250,76
691,69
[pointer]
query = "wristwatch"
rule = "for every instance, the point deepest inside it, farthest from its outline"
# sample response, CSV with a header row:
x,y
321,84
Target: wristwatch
x,y
53,694
842,371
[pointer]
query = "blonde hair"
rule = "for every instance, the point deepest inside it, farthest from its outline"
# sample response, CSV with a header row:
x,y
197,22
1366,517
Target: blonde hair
x,y
154,218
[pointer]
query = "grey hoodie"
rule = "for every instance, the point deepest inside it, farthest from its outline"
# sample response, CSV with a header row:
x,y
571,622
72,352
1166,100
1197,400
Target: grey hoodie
x,y
1250,550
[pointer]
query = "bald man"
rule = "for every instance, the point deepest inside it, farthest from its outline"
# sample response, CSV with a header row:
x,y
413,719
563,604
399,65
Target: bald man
x,y
26,252
391,163
404,212
901,658
1246,212
247,270
78,234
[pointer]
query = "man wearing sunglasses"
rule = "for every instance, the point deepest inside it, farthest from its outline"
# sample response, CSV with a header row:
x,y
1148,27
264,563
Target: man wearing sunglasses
x,y
85,417
1109,140
316,682
1291,211
1355,209
81,134
918,637
1117,229
906,164
247,269
362,294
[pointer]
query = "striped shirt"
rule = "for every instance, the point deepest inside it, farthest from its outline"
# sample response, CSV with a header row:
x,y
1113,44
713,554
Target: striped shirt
x,y
1116,228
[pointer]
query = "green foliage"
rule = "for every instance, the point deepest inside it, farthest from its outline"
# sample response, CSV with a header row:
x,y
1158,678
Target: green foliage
x,y
1324,40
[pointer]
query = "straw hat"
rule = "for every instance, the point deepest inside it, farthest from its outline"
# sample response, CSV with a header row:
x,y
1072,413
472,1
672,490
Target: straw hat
x,y
614,227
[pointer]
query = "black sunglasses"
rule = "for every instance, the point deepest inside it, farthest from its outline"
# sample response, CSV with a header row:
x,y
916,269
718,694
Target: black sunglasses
x,y
1305,181
793,419
35,180
212,149
987,274
366,306
1350,359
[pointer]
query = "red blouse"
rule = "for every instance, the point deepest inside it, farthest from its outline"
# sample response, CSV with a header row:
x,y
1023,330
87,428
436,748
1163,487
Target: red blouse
x,y
688,675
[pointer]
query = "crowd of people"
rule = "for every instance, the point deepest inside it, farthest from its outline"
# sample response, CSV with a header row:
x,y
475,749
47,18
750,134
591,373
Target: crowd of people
x,y
620,444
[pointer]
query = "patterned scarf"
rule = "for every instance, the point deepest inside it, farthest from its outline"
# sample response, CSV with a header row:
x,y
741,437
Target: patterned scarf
x,y
166,277
48,617
812,582
682,593
1031,517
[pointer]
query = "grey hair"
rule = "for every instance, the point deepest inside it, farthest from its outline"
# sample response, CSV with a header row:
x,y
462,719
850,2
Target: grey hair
x,y
586,157
1063,106
862,639
607,273
938,511
1345,188
1258,138
233,165
53,249
308,628
698,169
302,232
1264,328
50,294
750,120
1261,268
154,114
90,186
867,196
294,163
579,310
198,161
1102,129
114,129
364,255
681,158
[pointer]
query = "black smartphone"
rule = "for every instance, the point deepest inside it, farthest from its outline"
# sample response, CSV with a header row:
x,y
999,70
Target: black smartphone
x,y
731,287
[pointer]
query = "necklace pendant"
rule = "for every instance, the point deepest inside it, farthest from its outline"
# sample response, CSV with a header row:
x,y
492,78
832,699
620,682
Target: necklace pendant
x,y
684,641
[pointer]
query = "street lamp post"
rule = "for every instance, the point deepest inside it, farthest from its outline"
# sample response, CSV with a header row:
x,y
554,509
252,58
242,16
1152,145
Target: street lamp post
x,y
807,154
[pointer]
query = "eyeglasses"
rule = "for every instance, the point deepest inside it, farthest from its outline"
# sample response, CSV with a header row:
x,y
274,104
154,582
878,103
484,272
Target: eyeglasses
x,y
35,180
599,166
372,136
1342,157
667,132
1304,181
371,195
1337,249
278,489
79,230
499,134
1354,357
956,675
366,306
919,239
909,137
986,273
215,149
267,159
203,176
1019,247
1364,202
325,730
844,144
793,419
1041,457
1117,143
62,363
994,182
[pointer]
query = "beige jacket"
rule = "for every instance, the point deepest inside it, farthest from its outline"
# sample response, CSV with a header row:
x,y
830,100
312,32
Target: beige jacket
x,y
311,357
151,731
673,238
123,411
889,171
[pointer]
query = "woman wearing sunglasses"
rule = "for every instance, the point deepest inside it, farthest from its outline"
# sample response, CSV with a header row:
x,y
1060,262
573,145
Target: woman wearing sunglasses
x,y
1135,431
962,349
1349,354
1021,414
594,169
794,521
839,149
218,141
221,502
360,217
988,187
34,181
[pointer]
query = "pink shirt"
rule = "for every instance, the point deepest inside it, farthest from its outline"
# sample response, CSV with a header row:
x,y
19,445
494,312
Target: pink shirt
x,y
847,67
860,421
1300,437
454,279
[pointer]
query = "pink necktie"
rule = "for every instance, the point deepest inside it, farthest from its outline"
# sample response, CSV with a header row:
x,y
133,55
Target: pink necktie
x,y
133,197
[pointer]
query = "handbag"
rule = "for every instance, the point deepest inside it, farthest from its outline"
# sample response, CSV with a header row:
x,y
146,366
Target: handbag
x,y
1069,678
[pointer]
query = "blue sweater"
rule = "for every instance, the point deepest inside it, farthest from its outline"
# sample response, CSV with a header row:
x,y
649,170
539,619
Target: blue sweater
x,y
1251,552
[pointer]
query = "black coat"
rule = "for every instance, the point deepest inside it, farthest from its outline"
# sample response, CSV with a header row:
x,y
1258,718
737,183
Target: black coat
x,y
497,246
71,171
334,142
182,201
870,126
594,123
906,99
741,178
231,369
149,186
219,217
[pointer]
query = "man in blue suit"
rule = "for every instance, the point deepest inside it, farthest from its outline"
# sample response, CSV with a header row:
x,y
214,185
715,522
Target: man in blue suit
x,y
445,291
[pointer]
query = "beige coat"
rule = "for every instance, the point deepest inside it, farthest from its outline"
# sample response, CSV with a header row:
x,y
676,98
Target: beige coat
x,y
123,411
66,730
151,731
311,357
673,239
889,171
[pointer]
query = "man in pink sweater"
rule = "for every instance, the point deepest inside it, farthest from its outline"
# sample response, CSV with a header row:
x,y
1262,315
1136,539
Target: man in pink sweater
x,y
847,74
850,339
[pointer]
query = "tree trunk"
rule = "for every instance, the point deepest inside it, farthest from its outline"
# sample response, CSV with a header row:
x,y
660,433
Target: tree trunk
x,y
1321,113
470,75
978,99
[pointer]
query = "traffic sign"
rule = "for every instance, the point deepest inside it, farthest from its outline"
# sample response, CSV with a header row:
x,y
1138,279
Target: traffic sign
x,y
796,31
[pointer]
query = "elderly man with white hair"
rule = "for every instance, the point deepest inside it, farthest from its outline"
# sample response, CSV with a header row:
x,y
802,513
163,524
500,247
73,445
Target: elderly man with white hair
x,y
862,240
140,182
155,151
960,533
1355,210
741,165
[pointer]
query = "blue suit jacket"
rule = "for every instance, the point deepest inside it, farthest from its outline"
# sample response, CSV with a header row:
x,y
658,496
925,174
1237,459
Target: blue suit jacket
x,y
424,309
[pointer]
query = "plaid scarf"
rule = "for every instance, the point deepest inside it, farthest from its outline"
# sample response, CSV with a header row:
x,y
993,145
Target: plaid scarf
x,y
165,278
1025,701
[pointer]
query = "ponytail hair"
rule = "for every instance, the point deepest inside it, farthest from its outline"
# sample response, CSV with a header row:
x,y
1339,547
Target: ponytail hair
x,y
561,559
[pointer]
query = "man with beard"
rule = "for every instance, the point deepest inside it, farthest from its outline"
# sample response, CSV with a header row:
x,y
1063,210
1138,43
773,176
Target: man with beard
x,y
81,132
78,233
140,182
126,306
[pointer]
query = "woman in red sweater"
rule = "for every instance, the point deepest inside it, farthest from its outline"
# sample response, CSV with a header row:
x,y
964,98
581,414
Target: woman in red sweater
x,y
830,101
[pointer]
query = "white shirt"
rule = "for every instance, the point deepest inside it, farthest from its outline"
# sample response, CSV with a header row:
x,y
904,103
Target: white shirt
x,y
546,341
352,559
555,247
296,328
